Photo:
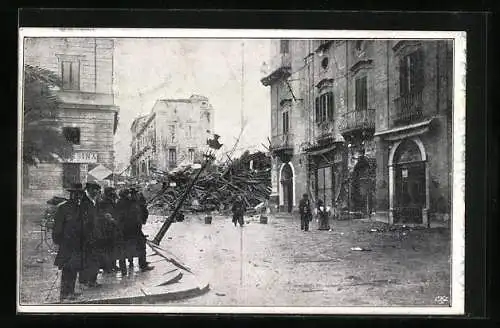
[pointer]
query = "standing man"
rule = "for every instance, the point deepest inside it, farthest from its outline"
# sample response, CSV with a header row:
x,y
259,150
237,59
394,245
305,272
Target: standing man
x,y
238,210
305,212
91,233
67,235
139,202
109,226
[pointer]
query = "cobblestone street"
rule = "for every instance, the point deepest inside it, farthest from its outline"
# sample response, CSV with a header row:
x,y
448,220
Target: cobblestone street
x,y
284,266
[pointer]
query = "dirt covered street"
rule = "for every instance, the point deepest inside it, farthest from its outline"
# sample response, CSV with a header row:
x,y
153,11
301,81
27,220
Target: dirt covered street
x,y
277,264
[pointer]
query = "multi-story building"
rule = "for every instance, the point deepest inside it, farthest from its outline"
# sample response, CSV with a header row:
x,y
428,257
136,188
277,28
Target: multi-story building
x,y
87,115
174,133
365,126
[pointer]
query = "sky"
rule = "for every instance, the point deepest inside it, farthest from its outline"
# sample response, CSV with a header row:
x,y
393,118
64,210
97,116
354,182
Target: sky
x,y
178,68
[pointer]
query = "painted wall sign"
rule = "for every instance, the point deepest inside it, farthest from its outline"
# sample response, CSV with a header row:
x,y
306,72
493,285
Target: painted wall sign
x,y
83,157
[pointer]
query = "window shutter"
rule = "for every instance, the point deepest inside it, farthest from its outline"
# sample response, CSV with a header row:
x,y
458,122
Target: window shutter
x,y
318,118
66,75
403,88
331,105
75,76
364,88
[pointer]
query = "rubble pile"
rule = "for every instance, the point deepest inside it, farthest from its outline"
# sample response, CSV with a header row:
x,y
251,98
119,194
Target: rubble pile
x,y
248,176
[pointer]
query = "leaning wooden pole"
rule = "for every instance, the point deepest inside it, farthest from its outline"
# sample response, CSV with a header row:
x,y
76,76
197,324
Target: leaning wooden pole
x,y
166,225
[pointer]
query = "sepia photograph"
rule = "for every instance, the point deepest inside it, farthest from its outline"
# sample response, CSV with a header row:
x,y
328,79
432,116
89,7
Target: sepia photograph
x,y
241,171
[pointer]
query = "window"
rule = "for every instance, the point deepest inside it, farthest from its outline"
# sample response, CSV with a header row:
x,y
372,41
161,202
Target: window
x,y
72,135
208,117
324,63
361,94
71,174
172,156
71,75
411,75
191,154
286,122
284,46
324,107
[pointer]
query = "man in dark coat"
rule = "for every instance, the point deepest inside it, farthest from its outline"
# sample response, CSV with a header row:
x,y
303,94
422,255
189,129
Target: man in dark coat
x,y
305,212
238,210
139,203
67,235
122,217
92,234
322,216
107,219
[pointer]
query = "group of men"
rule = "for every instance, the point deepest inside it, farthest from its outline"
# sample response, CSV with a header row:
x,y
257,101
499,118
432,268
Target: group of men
x,y
94,231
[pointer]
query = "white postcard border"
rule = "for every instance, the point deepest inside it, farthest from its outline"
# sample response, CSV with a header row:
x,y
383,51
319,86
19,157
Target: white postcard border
x,y
458,191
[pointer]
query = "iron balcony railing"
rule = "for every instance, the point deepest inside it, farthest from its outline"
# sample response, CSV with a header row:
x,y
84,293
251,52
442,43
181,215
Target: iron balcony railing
x,y
408,108
282,141
357,120
325,130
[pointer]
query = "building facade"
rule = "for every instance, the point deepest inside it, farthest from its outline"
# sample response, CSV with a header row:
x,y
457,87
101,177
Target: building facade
x,y
174,133
87,115
363,125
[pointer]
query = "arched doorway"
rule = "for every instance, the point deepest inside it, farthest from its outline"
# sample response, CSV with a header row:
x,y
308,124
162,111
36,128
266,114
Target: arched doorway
x,y
287,187
409,172
362,186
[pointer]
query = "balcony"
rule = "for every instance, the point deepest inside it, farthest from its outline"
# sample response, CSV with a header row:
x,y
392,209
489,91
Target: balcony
x,y
85,98
408,108
280,67
282,146
358,122
325,130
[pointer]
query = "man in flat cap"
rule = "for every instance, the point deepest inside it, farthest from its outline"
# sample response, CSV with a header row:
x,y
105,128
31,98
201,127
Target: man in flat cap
x,y
67,235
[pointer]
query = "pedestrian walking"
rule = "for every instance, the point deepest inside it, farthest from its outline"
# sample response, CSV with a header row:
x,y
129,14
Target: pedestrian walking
x,y
305,212
67,235
91,235
238,209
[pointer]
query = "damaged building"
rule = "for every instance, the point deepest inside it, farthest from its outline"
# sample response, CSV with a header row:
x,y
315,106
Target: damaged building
x,y
364,125
173,133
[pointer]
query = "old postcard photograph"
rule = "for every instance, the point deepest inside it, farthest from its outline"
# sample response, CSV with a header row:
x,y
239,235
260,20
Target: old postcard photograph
x,y
241,171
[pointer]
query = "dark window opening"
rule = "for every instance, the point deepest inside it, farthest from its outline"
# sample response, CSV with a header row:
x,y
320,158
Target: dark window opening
x,y
71,75
172,156
324,107
286,123
72,135
191,154
411,75
324,63
361,94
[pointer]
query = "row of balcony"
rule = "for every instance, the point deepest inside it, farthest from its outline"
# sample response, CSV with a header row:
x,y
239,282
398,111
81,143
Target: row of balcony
x,y
408,109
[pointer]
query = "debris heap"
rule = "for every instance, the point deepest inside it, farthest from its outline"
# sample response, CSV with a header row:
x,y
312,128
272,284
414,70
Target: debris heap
x,y
248,176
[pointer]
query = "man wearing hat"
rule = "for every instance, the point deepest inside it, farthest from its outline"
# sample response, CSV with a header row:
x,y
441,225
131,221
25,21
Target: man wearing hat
x,y
110,229
91,234
67,235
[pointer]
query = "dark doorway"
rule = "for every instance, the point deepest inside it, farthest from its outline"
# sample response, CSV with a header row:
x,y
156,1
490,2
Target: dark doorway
x,y
409,175
362,187
287,185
